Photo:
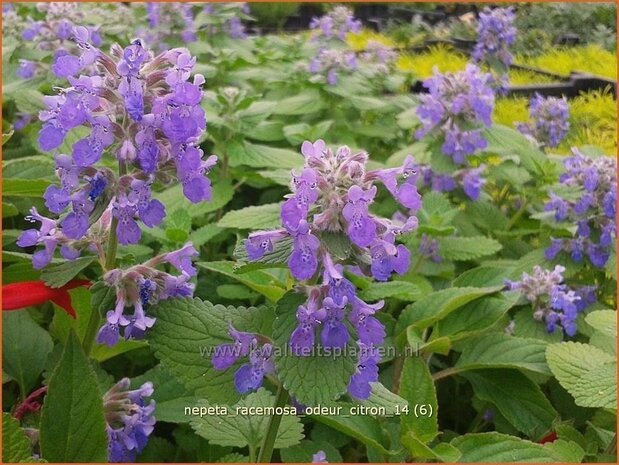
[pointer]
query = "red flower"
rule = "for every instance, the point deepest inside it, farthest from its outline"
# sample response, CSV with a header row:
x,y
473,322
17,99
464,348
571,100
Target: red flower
x,y
550,437
29,293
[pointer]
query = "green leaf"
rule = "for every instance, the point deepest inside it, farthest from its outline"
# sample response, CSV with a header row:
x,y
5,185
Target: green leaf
x,y
502,351
467,248
481,276
258,217
24,187
319,378
58,275
72,421
277,258
475,317
586,372
31,167
15,444
8,210
241,427
507,142
604,321
417,387
6,136
382,397
305,103
304,451
402,290
259,281
497,447
266,131
25,347
486,215
186,333
263,156
518,399
173,199
436,306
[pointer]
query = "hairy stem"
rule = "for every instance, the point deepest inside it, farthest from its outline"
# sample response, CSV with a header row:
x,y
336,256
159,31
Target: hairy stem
x,y
445,373
266,451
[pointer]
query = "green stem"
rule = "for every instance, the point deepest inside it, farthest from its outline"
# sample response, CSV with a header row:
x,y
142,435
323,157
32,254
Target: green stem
x,y
612,446
252,453
445,373
516,216
266,451
91,331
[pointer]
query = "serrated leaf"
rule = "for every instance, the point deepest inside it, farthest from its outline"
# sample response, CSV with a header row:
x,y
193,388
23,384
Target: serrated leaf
x,y
518,399
240,429
315,379
384,398
15,443
25,347
506,142
259,281
486,215
497,447
187,331
481,276
586,372
604,321
433,307
417,387
58,275
278,257
402,290
502,351
257,217
32,167
467,248
72,421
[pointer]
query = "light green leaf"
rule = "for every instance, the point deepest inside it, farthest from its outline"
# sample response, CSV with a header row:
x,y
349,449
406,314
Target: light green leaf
x,y
305,103
186,333
604,321
24,187
507,142
258,217
383,398
586,372
242,428
263,156
305,450
497,447
259,281
402,290
502,351
319,378
58,275
277,258
25,347
72,421
467,248
15,444
417,387
518,399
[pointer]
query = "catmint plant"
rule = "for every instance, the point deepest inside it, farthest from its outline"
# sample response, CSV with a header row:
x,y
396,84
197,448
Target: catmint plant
x,y
553,301
457,107
496,34
129,420
335,24
330,200
227,18
589,202
550,120
381,57
165,19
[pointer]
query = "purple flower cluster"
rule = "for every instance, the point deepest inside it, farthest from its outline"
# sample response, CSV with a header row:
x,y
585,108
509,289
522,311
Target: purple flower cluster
x,y
143,285
553,301
129,420
330,62
250,375
60,31
469,179
335,24
331,198
496,35
429,248
592,209
380,56
222,21
165,19
458,105
549,117
148,110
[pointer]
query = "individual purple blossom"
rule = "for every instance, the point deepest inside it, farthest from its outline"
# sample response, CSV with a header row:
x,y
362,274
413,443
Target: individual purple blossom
x,y
129,420
472,182
593,182
366,372
331,197
26,69
552,300
430,248
320,457
550,120
141,286
457,106
227,354
496,34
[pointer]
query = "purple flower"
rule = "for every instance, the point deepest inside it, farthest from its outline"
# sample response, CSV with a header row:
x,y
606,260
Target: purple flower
x,y
361,228
303,260
26,69
550,116
227,354
366,372
181,259
249,377
129,419
320,457
331,62
387,258
335,24
472,182
334,333
303,337
369,329
260,243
